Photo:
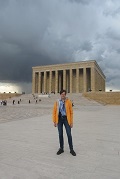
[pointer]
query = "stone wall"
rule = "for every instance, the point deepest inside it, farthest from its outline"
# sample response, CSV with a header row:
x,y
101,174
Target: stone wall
x,y
112,98
4,96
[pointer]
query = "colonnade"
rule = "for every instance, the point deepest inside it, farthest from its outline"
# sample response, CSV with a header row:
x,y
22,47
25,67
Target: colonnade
x,y
75,77
73,80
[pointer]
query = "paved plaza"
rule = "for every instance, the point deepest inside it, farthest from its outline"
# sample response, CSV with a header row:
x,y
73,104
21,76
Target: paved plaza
x,y
29,142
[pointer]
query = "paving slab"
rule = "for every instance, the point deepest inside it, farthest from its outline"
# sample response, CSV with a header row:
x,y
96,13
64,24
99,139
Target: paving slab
x,y
28,146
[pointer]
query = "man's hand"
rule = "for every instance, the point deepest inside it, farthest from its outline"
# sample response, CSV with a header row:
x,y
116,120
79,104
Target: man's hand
x,y
71,125
55,125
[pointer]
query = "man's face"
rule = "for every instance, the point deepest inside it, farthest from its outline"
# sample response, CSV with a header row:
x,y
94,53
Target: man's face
x,y
63,95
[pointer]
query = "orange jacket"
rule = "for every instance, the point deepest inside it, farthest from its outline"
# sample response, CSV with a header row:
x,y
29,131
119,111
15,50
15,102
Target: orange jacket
x,y
69,111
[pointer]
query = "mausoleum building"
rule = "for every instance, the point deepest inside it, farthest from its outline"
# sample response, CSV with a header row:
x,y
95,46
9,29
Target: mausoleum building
x,y
76,77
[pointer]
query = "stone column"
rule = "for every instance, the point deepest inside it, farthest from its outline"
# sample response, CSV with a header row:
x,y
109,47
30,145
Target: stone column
x,y
92,78
59,80
67,82
64,79
84,80
33,82
45,81
50,81
77,80
38,82
39,88
56,81
70,80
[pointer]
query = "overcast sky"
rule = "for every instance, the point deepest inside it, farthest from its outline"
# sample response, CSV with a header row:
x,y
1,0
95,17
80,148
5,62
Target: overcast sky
x,y
42,32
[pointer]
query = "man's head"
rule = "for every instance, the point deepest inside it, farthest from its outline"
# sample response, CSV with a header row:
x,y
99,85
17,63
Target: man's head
x,y
63,94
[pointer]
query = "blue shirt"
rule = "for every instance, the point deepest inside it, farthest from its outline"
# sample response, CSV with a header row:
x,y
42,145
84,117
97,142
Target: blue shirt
x,y
62,108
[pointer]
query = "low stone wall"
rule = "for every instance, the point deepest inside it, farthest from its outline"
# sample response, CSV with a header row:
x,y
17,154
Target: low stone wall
x,y
4,96
112,98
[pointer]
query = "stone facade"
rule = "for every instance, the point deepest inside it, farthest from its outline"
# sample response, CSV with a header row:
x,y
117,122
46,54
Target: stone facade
x,y
77,77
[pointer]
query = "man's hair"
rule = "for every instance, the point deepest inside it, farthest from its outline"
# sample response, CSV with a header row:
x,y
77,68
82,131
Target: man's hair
x,y
62,91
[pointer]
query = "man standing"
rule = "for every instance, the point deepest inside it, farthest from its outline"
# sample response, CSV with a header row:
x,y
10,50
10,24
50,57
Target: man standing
x,y
63,114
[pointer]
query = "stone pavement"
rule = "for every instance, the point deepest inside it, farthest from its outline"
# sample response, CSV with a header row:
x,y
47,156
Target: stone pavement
x,y
29,142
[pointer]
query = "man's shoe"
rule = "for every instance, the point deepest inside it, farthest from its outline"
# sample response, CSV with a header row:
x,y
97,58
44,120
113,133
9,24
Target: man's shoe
x,y
60,151
73,152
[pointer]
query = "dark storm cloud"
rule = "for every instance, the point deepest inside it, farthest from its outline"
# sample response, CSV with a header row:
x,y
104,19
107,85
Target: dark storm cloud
x,y
87,46
112,12
118,50
45,32
80,1
26,39
3,3
113,34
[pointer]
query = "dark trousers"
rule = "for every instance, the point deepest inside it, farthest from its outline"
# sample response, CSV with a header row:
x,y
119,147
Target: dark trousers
x,y
63,120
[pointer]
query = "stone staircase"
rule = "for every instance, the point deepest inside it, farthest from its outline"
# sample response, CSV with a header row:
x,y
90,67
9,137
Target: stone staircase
x,y
77,99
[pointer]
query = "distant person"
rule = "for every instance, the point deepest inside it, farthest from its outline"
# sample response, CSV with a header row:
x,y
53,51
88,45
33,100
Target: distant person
x,y
48,95
63,114
13,101
29,101
72,103
4,102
